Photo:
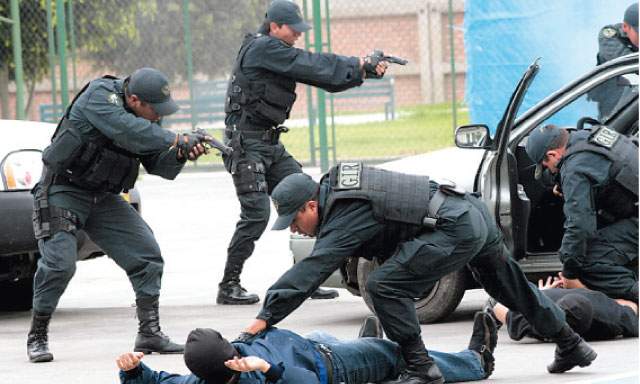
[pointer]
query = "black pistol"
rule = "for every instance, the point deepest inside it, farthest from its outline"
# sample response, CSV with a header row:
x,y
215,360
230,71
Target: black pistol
x,y
212,142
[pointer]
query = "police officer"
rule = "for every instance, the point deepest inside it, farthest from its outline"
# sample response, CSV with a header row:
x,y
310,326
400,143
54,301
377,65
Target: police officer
x,y
420,231
615,40
260,96
111,127
598,178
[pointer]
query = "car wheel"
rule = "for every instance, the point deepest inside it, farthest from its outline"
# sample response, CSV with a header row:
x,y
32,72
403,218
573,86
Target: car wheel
x,y
438,304
16,295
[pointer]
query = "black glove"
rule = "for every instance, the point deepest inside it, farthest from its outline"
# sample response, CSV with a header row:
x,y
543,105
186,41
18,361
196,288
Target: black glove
x,y
370,63
244,337
186,143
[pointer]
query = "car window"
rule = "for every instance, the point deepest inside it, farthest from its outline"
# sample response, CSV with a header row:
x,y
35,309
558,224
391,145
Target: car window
x,y
599,103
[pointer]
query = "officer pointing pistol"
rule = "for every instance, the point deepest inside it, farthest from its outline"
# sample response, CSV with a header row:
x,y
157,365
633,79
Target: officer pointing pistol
x,y
260,96
111,127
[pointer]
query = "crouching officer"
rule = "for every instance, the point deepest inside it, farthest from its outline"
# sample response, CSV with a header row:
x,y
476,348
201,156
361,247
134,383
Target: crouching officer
x,y
260,96
110,128
421,231
598,177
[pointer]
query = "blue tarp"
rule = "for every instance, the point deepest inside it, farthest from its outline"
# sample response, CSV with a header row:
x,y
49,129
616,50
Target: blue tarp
x,y
503,37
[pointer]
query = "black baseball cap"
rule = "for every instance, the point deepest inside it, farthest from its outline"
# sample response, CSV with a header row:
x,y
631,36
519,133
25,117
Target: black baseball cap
x,y
152,87
631,16
538,145
289,196
287,12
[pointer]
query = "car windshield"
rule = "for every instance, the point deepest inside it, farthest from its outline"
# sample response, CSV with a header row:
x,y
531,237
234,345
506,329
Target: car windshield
x,y
599,103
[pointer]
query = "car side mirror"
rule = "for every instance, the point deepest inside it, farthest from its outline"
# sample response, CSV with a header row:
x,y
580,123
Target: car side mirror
x,y
473,136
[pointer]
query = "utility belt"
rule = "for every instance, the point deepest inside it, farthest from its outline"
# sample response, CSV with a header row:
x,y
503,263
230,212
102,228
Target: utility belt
x,y
270,135
327,359
435,202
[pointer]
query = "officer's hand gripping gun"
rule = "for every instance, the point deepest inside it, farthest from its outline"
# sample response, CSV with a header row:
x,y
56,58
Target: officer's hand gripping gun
x,y
375,58
211,142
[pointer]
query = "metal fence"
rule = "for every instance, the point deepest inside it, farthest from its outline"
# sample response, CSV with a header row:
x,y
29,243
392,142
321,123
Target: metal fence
x,y
66,43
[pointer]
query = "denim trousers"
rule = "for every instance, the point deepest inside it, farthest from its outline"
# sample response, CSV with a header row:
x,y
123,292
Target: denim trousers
x,y
370,360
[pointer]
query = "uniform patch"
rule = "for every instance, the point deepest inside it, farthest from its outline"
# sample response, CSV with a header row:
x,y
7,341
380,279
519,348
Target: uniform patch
x,y
609,32
605,137
165,90
349,176
114,99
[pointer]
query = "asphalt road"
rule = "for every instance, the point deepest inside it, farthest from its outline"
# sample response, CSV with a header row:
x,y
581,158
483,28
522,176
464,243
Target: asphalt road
x,y
193,219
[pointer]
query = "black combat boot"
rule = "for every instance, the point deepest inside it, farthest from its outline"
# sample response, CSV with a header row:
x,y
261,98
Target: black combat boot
x,y
150,338
37,340
324,294
230,291
571,351
371,327
484,340
421,369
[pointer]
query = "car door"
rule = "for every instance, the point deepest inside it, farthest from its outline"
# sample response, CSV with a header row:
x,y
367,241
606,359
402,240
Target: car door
x,y
513,172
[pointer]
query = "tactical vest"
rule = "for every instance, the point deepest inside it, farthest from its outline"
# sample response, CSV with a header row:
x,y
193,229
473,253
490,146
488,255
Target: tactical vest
x,y
94,163
261,103
619,198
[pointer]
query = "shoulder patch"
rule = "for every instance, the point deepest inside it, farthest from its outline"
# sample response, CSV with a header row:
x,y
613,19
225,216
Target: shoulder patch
x,y
609,32
114,99
605,137
349,176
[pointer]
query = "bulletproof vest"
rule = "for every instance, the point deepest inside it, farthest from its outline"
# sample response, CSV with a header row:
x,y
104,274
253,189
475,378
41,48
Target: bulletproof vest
x,y
400,201
259,103
617,199
93,163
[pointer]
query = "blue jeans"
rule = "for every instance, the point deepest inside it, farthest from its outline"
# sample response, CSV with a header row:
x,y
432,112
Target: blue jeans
x,y
370,360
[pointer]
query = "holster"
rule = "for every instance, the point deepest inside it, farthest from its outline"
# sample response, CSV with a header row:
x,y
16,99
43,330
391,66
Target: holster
x,y
49,220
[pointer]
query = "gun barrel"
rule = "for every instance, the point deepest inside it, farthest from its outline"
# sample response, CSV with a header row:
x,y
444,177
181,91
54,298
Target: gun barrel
x,y
396,60
214,143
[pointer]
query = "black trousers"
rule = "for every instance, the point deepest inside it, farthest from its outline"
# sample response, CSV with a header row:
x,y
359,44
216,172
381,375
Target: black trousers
x,y
469,238
255,173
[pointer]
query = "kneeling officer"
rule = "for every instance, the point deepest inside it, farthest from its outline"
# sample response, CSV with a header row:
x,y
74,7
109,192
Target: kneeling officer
x,y
111,127
421,231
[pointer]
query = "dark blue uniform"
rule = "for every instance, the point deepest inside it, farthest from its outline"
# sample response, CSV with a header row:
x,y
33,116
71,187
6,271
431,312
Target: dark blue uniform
x,y
299,361
261,95
602,252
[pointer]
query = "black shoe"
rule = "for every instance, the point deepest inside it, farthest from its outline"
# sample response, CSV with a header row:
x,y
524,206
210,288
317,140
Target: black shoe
x,y
371,327
150,338
581,355
431,376
488,308
233,294
38,340
484,340
324,294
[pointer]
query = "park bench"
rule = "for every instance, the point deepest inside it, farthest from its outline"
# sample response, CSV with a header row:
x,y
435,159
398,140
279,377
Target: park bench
x,y
373,89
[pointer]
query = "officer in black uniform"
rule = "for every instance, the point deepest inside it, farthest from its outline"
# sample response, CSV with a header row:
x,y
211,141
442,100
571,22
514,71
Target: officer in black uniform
x,y
598,177
420,231
110,128
615,40
260,96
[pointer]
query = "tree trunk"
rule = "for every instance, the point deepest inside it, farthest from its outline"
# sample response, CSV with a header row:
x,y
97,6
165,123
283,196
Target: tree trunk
x,y
4,91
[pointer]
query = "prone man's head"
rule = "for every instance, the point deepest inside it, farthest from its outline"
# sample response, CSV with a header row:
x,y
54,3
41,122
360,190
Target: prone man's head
x,y
205,353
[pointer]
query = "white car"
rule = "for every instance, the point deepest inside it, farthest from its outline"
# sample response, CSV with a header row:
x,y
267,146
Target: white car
x,y
20,169
498,168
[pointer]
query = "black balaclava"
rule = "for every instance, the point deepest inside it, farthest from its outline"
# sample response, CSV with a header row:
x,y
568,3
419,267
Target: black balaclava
x,y
205,353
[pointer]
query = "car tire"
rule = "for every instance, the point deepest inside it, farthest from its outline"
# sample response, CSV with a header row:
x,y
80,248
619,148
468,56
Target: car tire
x,y
16,295
438,304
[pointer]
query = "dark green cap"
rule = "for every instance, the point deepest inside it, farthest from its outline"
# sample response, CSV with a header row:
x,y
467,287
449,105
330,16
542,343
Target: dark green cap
x,y
152,87
631,16
287,12
538,145
289,196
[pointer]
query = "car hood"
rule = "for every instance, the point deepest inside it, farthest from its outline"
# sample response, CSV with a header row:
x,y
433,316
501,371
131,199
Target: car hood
x,y
24,135
454,164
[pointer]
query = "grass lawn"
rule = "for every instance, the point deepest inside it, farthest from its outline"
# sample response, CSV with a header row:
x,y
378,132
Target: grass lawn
x,y
415,130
